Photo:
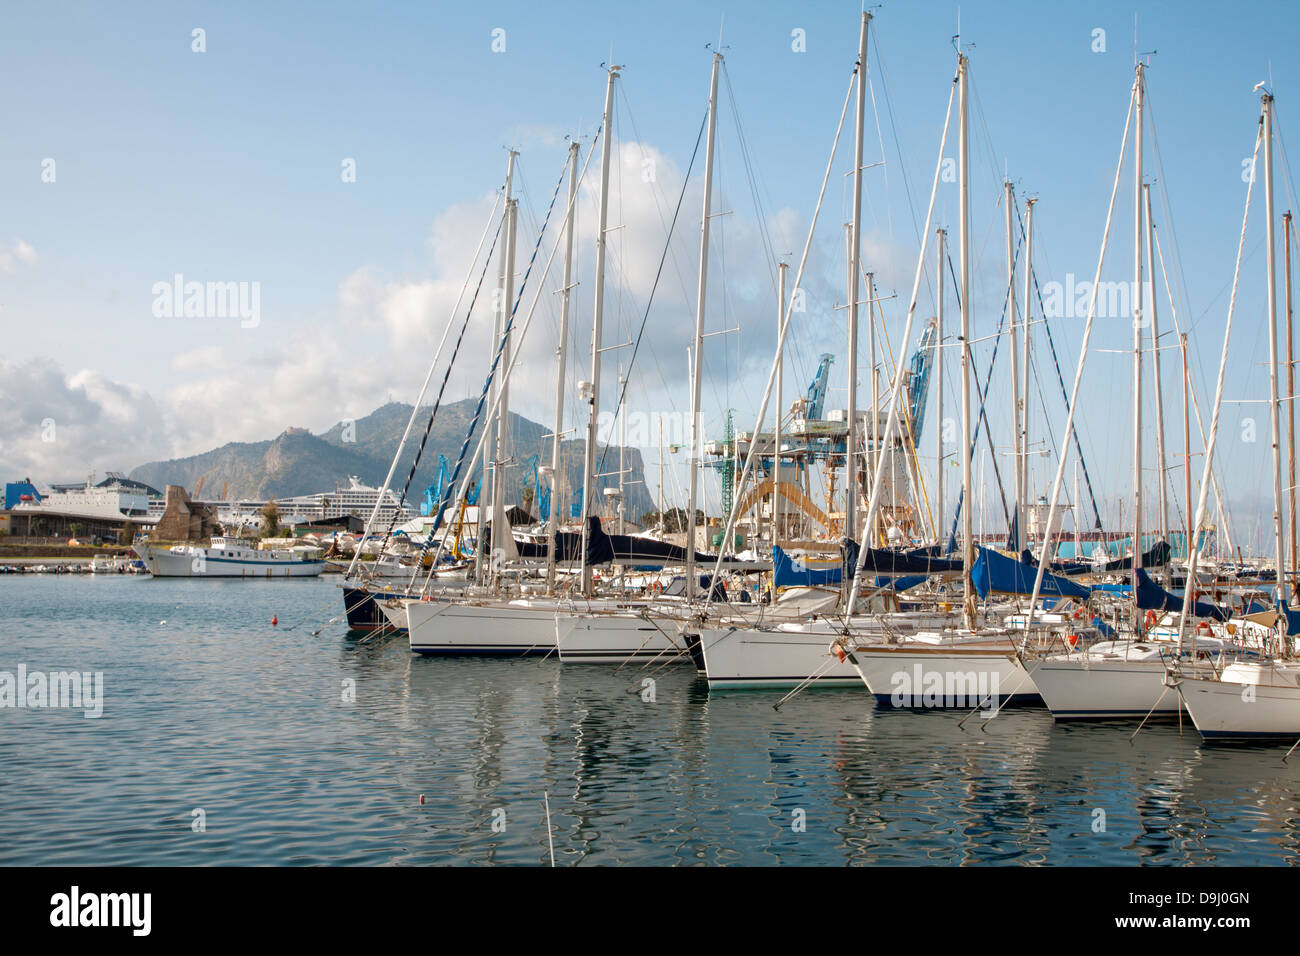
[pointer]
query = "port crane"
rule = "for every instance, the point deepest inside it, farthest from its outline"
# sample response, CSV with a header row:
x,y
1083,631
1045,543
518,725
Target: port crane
x,y
809,434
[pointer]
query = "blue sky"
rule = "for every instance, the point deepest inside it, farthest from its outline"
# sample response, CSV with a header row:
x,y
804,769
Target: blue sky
x,y
225,166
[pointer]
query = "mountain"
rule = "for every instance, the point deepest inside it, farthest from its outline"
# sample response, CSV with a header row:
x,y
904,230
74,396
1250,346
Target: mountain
x,y
298,462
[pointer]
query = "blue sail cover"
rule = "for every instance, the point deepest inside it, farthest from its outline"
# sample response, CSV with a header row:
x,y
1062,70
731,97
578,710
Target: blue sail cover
x,y
787,573
996,572
1152,596
925,561
905,583
918,562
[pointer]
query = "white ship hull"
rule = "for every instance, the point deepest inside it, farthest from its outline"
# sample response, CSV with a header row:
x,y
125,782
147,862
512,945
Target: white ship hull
x,y
1077,689
612,638
605,634
450,627
936,676
1251,701
787,655
184,561
748,659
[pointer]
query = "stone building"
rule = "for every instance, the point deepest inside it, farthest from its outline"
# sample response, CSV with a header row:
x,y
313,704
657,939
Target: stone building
x,y
185,520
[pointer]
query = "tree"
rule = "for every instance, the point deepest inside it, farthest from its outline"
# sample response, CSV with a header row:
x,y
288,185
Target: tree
x,y
75,529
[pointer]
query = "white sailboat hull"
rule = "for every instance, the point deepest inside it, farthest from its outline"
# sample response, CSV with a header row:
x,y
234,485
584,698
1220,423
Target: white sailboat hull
x,y
1227,709
938,676
1075,689
745,659
615,638
449,627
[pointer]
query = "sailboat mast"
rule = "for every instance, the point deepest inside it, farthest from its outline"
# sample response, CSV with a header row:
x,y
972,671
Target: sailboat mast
x,y
1078,511
780,404
697,356
505,284
1274,414
1023,462
963,164
1161,497
622,445
1137,345
598,314
851,485
557,484
940,237
1188,542
503,410
1290,387
1018,512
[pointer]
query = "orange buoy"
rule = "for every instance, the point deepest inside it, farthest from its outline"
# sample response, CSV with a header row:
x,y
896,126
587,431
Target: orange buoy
x,y
274,620
1074,639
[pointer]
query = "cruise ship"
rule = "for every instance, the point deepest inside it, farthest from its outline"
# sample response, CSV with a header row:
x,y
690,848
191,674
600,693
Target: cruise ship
x,y
357,499
115,500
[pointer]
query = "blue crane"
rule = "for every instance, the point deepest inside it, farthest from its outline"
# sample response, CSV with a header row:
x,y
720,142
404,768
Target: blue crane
x,y
433,495
817,390
918,382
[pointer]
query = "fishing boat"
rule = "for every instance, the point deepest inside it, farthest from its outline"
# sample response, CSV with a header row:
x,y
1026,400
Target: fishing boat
x,y
228,557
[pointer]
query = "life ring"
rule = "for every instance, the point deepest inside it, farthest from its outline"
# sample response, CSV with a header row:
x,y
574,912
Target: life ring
x,y
657,587
1074,640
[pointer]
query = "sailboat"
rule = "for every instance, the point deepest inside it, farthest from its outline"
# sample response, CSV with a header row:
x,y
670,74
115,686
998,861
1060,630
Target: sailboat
x,y
968,663
1254,699
585,627
1125,676
795,644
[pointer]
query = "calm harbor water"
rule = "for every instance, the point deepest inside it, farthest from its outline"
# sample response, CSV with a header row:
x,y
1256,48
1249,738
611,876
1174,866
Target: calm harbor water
x,y
208,708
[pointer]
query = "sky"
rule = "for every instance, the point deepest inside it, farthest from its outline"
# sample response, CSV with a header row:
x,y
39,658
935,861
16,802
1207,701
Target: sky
x,y
341,162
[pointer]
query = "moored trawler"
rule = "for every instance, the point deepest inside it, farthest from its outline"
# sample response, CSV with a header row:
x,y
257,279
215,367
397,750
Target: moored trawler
x,y
228,558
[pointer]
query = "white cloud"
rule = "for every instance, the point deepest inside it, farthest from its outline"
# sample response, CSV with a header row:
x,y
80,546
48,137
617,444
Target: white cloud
x,y
56,427
20,253
376,342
